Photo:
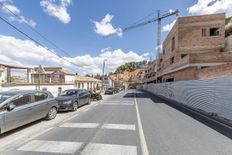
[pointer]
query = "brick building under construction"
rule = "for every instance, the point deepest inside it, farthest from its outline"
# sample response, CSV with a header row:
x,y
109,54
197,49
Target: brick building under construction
x,y
196,48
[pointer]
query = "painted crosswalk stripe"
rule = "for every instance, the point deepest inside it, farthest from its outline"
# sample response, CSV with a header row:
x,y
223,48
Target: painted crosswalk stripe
x,y
51,146
111,103
80,125
73,147
108,149
118,126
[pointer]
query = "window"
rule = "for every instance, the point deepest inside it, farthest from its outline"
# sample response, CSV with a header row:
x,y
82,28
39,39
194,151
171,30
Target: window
x,y
214,31
171,60
204,32
40,96
163,51
44,89
69,93
22,100
170,80
183,55
173,43
82,93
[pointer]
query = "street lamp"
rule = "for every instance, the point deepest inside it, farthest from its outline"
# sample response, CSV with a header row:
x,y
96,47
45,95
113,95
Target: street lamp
x,y
103,73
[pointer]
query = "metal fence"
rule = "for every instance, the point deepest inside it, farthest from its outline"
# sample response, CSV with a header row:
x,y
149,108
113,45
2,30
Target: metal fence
x,y
212,95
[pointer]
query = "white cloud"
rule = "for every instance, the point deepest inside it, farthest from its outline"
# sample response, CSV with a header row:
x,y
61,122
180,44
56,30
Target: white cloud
x,y
168,27
210,7
9,8
57,10
12,8
105,27
22,19
26,52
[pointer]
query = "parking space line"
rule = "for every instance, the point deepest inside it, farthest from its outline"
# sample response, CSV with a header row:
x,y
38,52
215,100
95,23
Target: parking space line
x,y
119,126
80,125
51,146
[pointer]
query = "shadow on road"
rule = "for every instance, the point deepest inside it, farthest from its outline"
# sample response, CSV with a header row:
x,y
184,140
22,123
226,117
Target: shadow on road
x,y
11,132
218,126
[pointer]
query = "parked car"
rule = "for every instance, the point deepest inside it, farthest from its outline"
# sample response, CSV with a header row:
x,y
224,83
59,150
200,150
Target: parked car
x,y
110,91
96,96
71,99
18,108
117,90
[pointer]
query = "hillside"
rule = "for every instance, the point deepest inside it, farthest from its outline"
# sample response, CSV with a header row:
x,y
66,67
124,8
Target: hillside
x,y
129,67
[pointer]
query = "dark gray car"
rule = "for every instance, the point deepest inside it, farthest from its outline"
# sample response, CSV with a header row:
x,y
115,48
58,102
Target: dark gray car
x,y
71,99
18,108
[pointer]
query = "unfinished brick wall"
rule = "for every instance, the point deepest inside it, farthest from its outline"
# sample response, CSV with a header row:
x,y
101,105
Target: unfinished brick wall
x,y
187,32
190,33
215,72
185,74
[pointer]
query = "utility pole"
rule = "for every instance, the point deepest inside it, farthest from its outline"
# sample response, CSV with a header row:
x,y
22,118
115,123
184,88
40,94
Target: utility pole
x,y
39,77
103,73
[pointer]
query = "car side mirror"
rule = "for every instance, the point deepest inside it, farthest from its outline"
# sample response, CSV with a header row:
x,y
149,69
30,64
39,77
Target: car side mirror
x,y
11,107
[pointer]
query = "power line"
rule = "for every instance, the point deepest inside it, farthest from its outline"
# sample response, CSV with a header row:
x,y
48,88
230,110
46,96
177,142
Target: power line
x,y
37,42
37,32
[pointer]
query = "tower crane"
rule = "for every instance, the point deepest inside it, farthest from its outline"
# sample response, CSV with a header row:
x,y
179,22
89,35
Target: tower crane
x,y
158,20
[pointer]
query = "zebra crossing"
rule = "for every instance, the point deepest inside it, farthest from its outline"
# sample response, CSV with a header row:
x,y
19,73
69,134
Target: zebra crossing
x,y
43,146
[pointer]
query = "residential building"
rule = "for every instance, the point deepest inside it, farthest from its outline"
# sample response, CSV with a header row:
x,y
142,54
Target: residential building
x,y
127,79
52,75
53,79
89,83
150,73
194,45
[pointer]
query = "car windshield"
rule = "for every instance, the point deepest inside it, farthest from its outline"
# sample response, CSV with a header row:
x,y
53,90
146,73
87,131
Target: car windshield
x,y
4,97
69,93
110,88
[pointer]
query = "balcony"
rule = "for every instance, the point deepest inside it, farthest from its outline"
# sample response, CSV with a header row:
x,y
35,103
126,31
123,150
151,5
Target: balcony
x,y
176,65
201,59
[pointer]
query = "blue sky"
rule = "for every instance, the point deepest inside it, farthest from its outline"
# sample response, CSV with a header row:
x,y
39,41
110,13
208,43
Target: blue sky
x,y
72,27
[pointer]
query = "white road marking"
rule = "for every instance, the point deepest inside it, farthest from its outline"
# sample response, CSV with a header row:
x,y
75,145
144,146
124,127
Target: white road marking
x,y
80,125
118,126
51,146
86,109
141,133
108,149
111,103
14,142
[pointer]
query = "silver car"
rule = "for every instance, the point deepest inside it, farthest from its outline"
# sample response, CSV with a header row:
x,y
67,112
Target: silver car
x,y
18,108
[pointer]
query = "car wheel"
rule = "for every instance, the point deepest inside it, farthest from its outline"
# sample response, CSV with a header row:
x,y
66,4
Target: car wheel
x,y
52,113
75,106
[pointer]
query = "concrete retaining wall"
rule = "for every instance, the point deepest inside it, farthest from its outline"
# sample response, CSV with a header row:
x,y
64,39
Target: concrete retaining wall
x,y
212,96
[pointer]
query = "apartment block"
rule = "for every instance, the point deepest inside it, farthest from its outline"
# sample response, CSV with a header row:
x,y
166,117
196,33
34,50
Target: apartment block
x,y
195,44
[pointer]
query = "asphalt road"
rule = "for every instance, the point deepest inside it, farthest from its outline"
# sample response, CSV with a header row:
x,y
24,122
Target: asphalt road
x,y
125,125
